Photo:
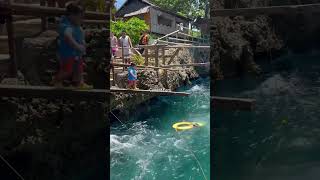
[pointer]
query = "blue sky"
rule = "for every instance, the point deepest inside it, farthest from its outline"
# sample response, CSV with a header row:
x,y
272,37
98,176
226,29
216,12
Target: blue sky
x,y
119,3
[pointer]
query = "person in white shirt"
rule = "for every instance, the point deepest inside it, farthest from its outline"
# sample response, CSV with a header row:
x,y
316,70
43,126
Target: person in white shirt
x,y
126,44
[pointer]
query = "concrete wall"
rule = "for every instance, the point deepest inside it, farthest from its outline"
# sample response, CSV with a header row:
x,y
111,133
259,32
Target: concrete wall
x,y
162,29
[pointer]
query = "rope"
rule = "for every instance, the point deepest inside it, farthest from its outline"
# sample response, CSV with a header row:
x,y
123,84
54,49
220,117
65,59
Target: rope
x,y
198,162
12,168
119,120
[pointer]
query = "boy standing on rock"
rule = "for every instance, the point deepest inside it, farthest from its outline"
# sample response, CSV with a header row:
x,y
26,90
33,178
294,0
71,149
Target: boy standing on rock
x,y
132,76
71,47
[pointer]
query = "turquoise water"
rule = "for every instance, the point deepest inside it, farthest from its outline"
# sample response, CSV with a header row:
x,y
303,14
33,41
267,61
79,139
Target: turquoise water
x,y
280,140
151,149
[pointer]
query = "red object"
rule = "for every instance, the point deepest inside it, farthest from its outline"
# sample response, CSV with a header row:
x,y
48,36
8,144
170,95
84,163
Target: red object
x,y
68,65
130,82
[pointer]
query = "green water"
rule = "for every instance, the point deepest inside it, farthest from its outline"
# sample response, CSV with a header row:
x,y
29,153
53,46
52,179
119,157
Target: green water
x,y
280,140
151,149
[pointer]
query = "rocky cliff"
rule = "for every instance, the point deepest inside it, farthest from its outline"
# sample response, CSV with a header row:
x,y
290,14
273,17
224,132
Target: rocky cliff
x,y
155,79
238,42
46,139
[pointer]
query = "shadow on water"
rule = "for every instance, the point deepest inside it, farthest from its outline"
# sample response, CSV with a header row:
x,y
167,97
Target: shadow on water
x,y
280,139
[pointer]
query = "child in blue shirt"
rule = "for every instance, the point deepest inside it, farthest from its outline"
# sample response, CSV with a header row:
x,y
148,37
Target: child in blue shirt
x,y
132,76
71,47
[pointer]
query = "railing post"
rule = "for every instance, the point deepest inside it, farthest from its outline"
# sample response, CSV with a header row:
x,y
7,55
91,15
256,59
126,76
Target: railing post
x,y
11,44
157,56
146,51
163,56
122,55
44,22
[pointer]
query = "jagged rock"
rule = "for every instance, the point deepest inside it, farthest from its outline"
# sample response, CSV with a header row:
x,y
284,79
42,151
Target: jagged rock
x,y
38,57
121,79
237,41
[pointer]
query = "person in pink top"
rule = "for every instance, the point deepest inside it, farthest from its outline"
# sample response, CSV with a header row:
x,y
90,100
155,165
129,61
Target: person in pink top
x,y
114,44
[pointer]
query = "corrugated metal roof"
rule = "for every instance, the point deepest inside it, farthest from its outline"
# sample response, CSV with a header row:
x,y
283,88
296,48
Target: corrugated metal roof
x,y
140,11
150,5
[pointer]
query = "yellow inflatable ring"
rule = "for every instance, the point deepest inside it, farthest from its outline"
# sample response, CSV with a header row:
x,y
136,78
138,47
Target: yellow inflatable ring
x,y
180,126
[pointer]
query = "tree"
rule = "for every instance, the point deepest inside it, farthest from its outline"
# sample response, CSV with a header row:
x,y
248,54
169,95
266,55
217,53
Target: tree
x,y
133,27
187,8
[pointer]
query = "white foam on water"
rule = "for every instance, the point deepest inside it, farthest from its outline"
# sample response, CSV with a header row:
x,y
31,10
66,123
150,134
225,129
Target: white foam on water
x,y
197,88
116,145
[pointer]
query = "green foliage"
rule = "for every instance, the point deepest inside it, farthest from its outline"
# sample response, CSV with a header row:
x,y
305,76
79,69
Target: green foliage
x,y
196,34
137,59
134,27
187,8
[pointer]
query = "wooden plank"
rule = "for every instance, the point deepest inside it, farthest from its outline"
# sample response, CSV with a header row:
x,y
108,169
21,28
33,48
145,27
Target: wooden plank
x,y
174,32
186,46
12,46
143,67
36,10
187,65
183,40
167,43
157,56
227,103
151,92
174,55
175,46
191,36
50,92
163,55
271,10
151,46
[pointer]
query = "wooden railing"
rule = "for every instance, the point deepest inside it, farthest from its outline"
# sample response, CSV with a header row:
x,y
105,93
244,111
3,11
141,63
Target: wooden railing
x,y
8,9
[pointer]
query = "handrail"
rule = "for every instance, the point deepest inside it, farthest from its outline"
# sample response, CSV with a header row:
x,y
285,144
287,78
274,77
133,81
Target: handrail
x,y
35,10
168,35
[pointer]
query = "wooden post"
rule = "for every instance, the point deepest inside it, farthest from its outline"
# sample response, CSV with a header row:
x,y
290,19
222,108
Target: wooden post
x,y
11,44
44,22
122,54
146,62
157,56
163,56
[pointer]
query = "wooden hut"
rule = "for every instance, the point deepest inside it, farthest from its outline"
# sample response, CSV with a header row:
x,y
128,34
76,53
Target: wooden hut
x,y
160,21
